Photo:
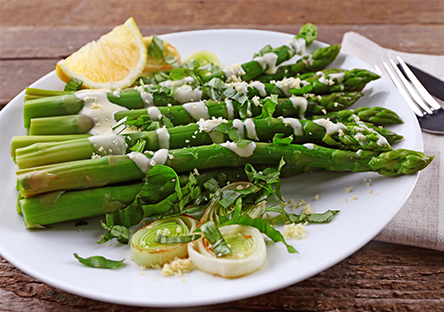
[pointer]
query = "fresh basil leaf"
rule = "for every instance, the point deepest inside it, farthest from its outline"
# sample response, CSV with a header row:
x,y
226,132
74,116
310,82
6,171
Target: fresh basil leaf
x,y
139,146
99,262
324,217
121,233
155,48
163,239
281,139
215,238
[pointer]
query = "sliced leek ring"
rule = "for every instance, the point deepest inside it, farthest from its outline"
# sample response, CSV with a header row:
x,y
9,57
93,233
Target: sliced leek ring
x,y
149,254
248,252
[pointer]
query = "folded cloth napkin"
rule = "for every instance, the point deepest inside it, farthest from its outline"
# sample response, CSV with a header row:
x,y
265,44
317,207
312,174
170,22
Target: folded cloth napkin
x,y
420,222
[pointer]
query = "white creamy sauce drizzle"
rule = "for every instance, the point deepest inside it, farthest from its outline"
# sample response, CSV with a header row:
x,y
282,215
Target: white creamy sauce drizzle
x,y
241,151
310,146
382,141
251,129
299,102
144,163
141,161
329,126
298,44
295,124
267,62
239,125
154,113
338,76
99,109
197,110
164,137
177,83
230,109
185,94
108,144
259,86
146,97
159,157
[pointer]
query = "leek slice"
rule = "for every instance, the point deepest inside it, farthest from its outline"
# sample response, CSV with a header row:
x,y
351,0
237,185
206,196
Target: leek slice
x,y
248,252
148,253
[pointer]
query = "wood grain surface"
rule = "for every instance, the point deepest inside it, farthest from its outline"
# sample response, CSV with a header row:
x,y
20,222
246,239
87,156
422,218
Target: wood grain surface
x,y
35,34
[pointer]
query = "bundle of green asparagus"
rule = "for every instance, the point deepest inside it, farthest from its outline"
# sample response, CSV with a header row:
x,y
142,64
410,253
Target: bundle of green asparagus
x,y
94,152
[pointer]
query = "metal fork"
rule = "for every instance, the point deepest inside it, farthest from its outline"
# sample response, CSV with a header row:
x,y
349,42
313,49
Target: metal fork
x,y
429,112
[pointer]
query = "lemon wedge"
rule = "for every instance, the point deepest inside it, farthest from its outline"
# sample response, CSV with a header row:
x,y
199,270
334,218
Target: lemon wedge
x,y
114,61
152,65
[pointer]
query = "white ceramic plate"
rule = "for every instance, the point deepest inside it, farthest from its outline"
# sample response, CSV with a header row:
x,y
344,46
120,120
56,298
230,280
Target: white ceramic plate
x,y
48,254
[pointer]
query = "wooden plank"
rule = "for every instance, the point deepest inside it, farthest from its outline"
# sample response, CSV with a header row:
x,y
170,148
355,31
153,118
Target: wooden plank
x,y
47,42
220,12
380,276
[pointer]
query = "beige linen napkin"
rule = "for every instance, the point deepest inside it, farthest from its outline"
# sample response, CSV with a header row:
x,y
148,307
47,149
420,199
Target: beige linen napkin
x,y
420,222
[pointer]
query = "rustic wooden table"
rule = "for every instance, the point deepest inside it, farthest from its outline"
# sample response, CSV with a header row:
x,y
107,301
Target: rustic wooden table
x,y
35,34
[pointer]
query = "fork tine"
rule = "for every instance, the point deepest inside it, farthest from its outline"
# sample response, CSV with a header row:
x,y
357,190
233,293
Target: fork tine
x,y
413,92
424,93
402,90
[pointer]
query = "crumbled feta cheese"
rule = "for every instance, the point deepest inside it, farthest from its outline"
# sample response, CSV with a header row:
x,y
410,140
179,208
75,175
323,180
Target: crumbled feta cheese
x,y
177,267
296,231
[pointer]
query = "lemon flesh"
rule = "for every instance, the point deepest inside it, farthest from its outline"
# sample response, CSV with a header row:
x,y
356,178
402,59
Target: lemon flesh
x,y
114,61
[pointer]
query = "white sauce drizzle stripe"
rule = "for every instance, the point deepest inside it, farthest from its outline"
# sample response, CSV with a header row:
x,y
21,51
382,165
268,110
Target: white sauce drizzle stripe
x,y
146,97
259,86
186,94
329,126
301,103
310,146
251,129
144,163
160,157
154,113
164,137
295,124
230,109
267,62
99,109
298,45
141,161
108,144
239,125
242,151
197,110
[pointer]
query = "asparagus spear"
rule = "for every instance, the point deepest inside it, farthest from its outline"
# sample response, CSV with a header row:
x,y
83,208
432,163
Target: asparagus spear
x,y
107,170
286,107
321,131
268,58
69,103
379,116
69,124
309,63
60,206
20,141
179,114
